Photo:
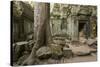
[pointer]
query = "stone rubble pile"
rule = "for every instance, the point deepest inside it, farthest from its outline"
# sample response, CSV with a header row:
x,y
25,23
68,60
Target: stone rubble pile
x,y
60,48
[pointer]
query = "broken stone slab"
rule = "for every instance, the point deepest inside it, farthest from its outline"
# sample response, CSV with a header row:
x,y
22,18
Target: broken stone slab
x,y
76,43
17,52
83,40
30,42
59,38
67,52
66,45
67,41
61,42
30,36
81,51
30,45
18,49
94,54
26,44
94,45
22,43
91,41
93,50
43,52
56,51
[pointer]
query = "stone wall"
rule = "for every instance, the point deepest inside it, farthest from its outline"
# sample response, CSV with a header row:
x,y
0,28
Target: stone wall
x,y
70,16
22,21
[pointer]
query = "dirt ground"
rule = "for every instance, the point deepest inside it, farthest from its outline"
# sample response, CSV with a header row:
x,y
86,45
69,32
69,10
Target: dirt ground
x,y
81,59
77,59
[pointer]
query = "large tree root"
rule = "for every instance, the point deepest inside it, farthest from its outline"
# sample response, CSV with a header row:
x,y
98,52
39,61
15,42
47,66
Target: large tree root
x,y
31,60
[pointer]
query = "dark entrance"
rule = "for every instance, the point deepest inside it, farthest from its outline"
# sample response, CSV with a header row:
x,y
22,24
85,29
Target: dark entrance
x,y
82,28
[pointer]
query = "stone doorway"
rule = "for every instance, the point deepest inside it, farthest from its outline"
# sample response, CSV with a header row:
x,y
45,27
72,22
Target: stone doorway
x,y
82,29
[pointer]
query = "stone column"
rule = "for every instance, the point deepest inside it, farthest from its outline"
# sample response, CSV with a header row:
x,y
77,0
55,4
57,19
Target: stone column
x,y
74,28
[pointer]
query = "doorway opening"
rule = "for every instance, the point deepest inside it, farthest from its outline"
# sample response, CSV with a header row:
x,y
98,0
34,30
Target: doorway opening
x,y
82,25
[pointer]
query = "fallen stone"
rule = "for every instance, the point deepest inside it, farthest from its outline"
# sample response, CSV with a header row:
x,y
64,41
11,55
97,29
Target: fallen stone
x,y
76,43
56,51
59,38
91,41
94,45
18,49
93,54
31,42
83,40
67,41
80,50
30,36
67,52
29,46
60,42
93,50
17,52
22,43
43,52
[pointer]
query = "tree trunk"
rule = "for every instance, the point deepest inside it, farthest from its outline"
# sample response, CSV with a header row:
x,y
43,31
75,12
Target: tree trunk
x,y
41,30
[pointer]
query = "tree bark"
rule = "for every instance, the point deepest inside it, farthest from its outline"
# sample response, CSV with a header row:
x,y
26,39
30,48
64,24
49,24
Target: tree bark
x,y
41,30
